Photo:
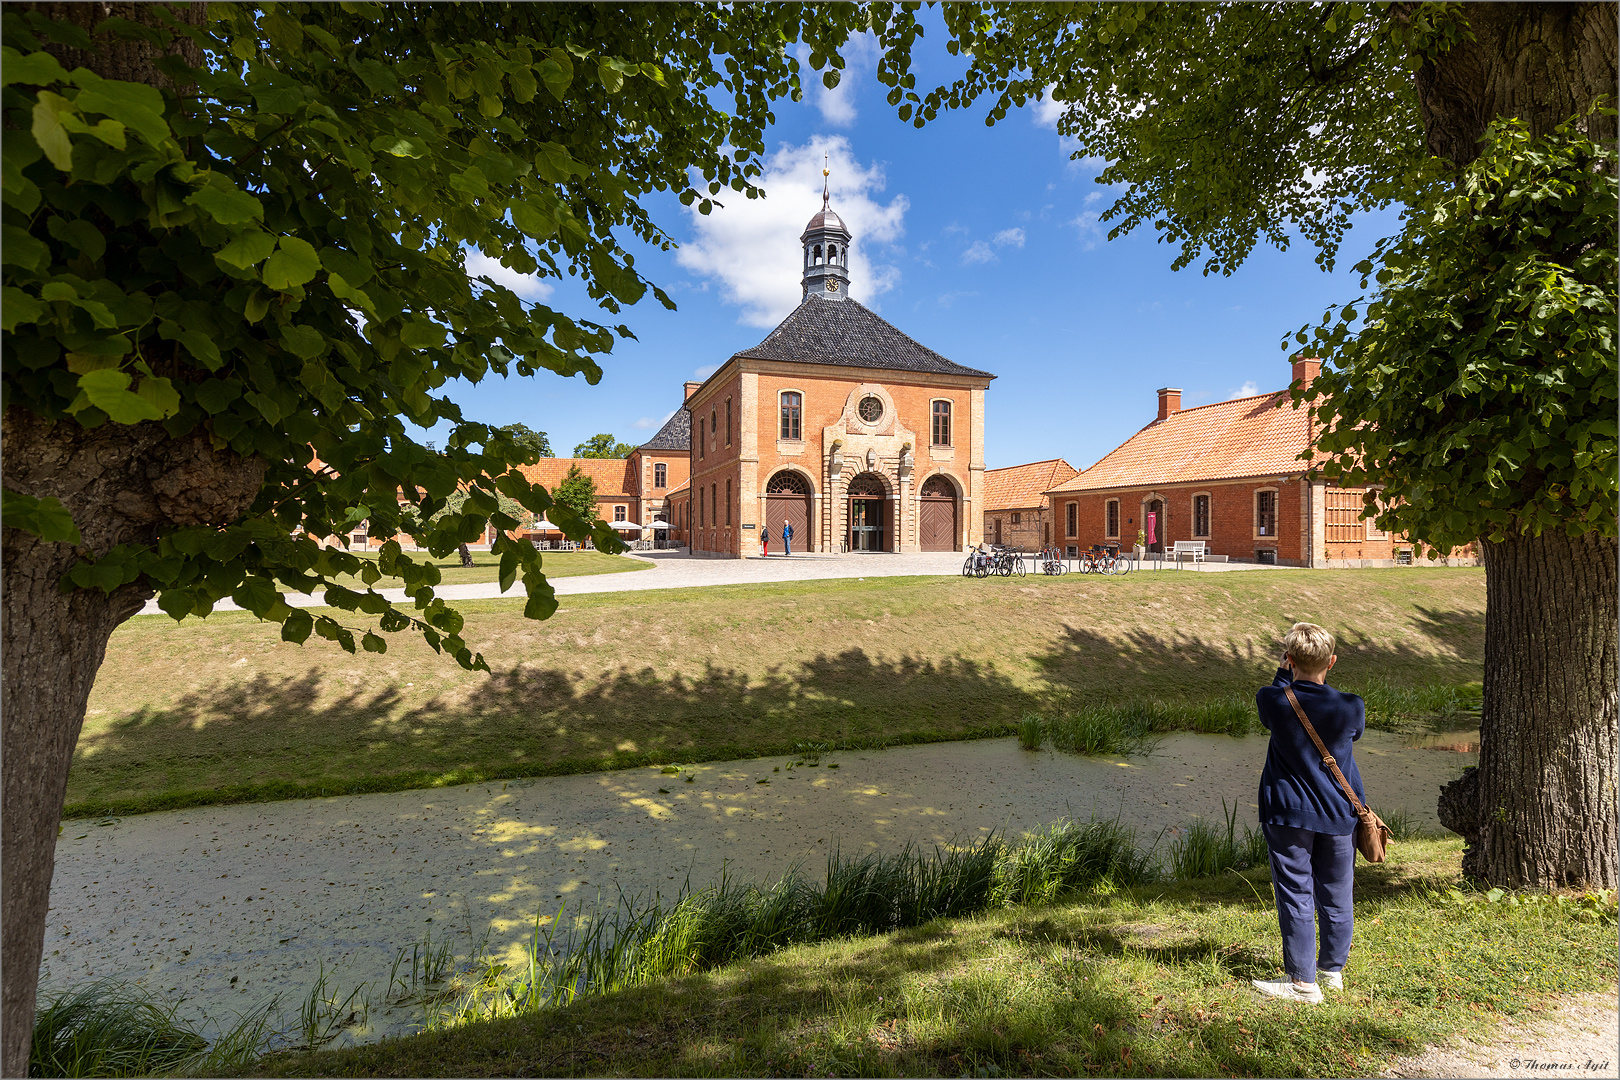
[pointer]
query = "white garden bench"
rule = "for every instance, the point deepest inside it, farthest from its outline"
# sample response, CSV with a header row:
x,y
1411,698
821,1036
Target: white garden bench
x,y
1189,549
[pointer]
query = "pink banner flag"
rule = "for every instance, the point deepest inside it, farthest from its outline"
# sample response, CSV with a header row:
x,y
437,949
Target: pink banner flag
x,y
1153,519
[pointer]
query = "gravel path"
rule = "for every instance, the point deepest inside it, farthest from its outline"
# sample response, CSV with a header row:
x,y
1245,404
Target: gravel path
x,y
1580,1036
682,570
223,905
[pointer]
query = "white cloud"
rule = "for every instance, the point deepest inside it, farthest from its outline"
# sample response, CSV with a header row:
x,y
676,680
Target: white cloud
x,y
978,252
1248,389
1010,238
647,423
1046,112
530,287
837,106
751,246
705,371
1089,227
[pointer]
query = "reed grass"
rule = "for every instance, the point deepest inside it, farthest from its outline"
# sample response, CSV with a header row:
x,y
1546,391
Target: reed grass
x,y
1205,849
109,1028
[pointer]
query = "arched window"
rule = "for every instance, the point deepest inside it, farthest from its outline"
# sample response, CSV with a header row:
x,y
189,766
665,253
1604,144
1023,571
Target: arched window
x,y
832,253
816,251
1200,516
1265,513
787,483
660,475
792,415
937,487
866,486
1111,524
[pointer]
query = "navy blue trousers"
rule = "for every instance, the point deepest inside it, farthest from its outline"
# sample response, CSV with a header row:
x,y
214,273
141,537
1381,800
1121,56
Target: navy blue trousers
x,y
1313,876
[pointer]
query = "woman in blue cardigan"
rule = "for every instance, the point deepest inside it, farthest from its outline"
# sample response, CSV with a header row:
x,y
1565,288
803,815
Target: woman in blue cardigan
x,y
1308,822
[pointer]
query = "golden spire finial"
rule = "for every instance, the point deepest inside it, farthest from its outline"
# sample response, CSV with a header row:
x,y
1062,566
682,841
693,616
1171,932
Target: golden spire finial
x,y
825,173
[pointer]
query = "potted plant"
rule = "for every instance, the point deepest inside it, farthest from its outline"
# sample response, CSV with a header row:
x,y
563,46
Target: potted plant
x,y
1141,544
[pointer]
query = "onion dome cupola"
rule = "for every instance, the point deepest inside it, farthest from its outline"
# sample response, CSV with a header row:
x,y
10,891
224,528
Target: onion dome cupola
x,y
826,250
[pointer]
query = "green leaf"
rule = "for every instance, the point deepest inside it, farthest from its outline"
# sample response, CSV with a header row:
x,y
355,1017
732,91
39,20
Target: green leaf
x,y
294,263
373,643
557,72
399,146
612,79
48,132
160,393
136,105
108,390
227,205
297,626
17,308
303,341
19,248
248,249
31,69
46,518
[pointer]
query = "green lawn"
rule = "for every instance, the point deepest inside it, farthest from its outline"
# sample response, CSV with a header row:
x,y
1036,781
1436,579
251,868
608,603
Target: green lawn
x,y
223,710
1140,981
486,567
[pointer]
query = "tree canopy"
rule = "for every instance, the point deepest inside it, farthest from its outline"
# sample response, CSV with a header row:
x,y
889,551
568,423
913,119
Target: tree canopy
x,y
577,492
265,248
603,446
525,438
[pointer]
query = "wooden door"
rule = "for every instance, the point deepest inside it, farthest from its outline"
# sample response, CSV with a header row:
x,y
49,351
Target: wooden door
x,y
937,528
787,499
795,511
1156,508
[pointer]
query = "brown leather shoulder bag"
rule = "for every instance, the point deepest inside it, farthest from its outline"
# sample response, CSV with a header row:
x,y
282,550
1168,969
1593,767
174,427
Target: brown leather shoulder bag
x,y
1372,835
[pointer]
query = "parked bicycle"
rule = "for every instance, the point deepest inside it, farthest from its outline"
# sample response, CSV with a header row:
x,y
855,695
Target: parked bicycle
x,y
978,563
1052,561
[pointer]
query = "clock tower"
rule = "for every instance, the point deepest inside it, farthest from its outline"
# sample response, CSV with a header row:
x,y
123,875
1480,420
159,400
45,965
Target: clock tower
x,y
826,251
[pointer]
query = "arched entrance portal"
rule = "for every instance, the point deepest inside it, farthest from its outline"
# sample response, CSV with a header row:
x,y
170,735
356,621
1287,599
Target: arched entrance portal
x,y
787,501
937,516
867,513
1156,508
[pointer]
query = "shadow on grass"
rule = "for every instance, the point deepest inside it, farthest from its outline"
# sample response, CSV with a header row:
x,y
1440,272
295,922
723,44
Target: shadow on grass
x,y
320,733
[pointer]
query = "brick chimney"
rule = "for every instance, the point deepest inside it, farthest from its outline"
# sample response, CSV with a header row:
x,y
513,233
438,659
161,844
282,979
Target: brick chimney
x,y
691,388
1169,402
1306,371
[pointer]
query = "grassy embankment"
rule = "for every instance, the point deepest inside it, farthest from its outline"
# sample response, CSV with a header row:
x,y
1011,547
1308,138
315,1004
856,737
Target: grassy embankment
x,y
222,710
1150,979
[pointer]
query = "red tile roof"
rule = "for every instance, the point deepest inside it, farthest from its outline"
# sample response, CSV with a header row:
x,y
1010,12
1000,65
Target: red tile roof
x,y
1020,486
1228,440
615,478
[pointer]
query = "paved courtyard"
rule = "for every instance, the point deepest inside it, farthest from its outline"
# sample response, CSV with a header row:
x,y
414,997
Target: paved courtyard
x,y
679,569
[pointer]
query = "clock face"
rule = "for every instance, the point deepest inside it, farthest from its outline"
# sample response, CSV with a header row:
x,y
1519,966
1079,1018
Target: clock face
x,y
870,409
832,284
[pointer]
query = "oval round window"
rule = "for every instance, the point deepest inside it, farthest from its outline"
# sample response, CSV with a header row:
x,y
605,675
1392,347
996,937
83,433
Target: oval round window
x,y
871,409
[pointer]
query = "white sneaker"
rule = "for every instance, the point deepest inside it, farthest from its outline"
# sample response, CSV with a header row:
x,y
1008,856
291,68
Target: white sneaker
x,y
1287,991
1332,980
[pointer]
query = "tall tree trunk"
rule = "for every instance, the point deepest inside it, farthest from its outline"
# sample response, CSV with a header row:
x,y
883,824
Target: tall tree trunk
x,y
122,485
1542,63
1539,809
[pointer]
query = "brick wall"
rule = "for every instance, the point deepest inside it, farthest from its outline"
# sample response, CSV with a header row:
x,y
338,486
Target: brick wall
x,y
1233,529
1030,533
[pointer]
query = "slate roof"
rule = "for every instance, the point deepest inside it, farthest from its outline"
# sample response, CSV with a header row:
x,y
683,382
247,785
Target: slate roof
x,y
676,434
1020,486
614,477
845,334
1229,440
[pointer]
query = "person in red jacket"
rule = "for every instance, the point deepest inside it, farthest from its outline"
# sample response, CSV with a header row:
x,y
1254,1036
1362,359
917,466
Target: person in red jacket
x,y
1307,820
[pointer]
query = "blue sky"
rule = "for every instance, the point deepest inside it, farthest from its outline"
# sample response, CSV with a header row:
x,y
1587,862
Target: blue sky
x,y
981,243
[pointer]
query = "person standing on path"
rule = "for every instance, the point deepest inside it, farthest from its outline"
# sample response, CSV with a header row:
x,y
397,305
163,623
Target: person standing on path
x,y
765,541
787,537
1309,824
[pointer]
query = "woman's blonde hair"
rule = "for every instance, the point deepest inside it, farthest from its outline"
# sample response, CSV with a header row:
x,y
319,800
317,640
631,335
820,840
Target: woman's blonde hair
x,y
1310,646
